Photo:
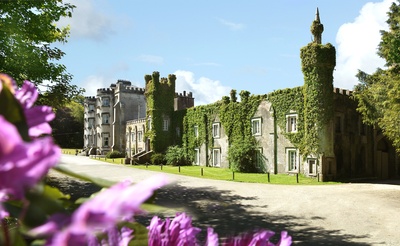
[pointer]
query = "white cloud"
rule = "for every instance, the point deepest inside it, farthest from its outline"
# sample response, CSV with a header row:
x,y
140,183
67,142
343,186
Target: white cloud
x,y
92,83
151,59
358,42
233,26
204,90
88,21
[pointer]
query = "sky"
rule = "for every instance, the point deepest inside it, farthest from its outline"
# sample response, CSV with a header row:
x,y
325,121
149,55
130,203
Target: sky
x,y
215,46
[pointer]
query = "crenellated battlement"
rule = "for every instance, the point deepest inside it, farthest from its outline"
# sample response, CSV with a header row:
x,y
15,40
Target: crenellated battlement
x,y
189,95
132,122
342,91
90,98
105,90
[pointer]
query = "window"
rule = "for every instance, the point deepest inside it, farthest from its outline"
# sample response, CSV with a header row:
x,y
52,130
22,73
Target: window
x,y
105,118
196,156
149,123
91,107
291,121
105,101
216,157
259,157
196,131
256,126
178,132
216,130
139,136
106,139
338,124
91,122
312,166
165,124
292,160
133,137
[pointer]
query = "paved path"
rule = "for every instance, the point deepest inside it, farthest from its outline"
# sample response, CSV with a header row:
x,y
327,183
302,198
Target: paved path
x,y
344,214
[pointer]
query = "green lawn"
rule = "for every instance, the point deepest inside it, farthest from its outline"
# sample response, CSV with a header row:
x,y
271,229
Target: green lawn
x,y
224,174
68,151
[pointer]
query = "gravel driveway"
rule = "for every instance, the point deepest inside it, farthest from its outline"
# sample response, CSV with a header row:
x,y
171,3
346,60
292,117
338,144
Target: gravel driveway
x,y
343,214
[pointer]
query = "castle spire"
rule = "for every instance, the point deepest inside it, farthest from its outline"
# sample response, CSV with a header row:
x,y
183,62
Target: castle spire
x,y
317,28
317,16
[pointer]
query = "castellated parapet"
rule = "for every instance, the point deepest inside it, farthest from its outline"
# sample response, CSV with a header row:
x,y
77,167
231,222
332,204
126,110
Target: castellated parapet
x,y
183,101
342,91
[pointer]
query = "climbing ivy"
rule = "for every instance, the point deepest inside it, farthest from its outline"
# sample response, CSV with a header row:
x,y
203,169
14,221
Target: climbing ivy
x,y
290,100
160,95
318,62
235,118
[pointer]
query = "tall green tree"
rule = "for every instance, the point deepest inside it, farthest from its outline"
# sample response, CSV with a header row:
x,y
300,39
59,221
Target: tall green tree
x,y
68,124
378,94
28,32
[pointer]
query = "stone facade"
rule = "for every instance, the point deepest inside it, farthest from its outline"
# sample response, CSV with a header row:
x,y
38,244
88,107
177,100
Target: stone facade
x,y
142,121
106,115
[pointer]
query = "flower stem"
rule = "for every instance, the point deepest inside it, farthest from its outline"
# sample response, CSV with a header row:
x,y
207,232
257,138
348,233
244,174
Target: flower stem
x,y
6,233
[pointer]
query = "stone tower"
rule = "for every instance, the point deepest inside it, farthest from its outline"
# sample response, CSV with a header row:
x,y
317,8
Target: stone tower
x,y
160,94
318,62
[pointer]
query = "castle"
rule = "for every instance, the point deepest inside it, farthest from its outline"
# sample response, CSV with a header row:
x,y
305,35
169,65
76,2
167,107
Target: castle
x,y
314,129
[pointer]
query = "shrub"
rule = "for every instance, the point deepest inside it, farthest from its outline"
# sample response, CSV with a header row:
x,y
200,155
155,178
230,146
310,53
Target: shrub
x,y
115,154
245,157
158,159
176,156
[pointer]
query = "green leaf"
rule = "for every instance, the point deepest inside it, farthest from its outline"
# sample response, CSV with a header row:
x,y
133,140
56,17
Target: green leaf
x,y
140,233
13,112
98,181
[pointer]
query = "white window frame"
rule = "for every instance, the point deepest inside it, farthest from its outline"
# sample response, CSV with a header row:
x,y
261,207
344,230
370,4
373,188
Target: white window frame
x,y
312,167
105,102
216,157
216,130
292,159
139,136
133,136
105,118
165,125
105,137
91,107
91,123
256,125
196,157
196,131
291,123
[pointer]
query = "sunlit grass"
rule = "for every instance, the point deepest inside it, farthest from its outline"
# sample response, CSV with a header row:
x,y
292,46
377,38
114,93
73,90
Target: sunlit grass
x,y
68,151
224,174
228,175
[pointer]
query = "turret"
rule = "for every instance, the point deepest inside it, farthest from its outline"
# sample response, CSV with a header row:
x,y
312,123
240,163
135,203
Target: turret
x,y
318,62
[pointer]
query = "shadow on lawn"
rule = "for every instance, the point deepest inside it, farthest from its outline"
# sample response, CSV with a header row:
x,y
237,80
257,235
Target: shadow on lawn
x,y
226,214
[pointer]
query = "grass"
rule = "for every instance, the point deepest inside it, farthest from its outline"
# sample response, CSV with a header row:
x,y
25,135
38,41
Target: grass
x,y
225,174
68,151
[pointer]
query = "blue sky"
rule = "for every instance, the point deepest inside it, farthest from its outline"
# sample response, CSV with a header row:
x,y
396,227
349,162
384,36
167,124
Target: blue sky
x,y
216,46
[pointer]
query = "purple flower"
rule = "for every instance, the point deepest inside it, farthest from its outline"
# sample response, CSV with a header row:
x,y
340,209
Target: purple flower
x,y
22,164
179,231
212,237
37,116
101,213
258,238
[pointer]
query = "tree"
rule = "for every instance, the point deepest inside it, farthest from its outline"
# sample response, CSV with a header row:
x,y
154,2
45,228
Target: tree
x,y
27,32
68,125
378,94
